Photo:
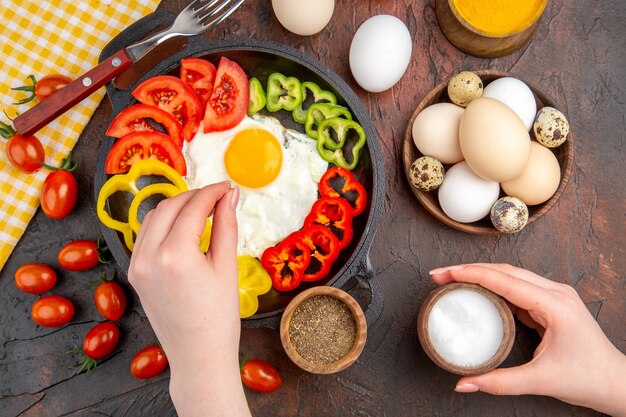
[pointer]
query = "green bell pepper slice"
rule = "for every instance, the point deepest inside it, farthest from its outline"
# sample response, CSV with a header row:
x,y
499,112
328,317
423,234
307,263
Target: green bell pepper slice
x,y
319,95
333,150
283,92
257,97
319,112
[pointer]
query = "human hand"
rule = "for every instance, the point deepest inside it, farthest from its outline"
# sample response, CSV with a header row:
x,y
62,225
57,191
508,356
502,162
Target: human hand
x,y
192,299
575,362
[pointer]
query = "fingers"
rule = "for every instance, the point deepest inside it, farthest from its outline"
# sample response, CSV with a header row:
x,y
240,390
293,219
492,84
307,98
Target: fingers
x,y
223,247
521,274
519,292
505,381
191,220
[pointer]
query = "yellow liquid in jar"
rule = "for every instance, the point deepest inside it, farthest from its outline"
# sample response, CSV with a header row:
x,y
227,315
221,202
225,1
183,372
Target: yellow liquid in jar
x,y
499,17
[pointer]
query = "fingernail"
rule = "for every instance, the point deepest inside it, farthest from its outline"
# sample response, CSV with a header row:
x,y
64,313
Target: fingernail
x,y
234,196
446,269
466,388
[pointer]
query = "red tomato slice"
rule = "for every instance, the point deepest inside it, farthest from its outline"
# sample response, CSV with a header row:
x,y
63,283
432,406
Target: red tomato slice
x,y
144,145
175,97
228,103
133,119
200,75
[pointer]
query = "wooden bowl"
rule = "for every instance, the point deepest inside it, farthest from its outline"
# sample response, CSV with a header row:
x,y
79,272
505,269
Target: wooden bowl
x,y
507,321
477,42
359,340
564,154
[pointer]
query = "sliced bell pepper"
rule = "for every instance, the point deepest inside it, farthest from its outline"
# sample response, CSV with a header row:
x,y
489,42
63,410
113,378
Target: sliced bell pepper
x,y
319,112
253,281
286,262
334,213
257,97
333,150
319,95
339,182
283,92
324,247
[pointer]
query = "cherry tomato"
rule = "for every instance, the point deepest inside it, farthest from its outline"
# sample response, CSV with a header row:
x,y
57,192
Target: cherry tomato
x,y
58,194
136,146
52,311
101,340
228,103
26,154
110,300
133,119
260,376
200,75
175,97
148,362
35,278
49,84
79,255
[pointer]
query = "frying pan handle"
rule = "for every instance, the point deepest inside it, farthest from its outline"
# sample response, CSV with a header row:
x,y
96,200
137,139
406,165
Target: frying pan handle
x,y
364,280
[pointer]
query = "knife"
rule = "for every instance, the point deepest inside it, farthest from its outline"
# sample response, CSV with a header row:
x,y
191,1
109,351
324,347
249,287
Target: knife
x,y
198,17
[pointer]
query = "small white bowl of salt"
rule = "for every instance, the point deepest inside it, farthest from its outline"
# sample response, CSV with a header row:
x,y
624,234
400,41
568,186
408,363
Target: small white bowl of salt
x,y
465,328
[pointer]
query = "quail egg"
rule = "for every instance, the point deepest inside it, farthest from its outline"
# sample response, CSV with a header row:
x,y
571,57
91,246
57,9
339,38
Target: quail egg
x,y
465,87
551,127
509,214
426,173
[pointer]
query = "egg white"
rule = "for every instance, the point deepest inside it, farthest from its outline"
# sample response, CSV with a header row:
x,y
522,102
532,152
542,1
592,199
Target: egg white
x,y
265,215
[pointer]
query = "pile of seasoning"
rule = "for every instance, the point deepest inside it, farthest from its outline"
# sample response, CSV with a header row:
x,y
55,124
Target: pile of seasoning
x,y
322,329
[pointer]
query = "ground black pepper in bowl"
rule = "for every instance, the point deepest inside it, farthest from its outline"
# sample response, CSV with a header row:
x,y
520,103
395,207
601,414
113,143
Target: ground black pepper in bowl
x,y
322,329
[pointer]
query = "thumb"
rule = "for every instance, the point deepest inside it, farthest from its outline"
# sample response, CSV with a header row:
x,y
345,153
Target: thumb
x,y
223,246
504,381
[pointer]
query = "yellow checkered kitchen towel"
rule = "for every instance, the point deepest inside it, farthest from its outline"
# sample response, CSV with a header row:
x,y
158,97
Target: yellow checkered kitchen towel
x,y
43,37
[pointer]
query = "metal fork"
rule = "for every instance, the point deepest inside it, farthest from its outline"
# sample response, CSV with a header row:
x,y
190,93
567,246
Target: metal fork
x,y
198,17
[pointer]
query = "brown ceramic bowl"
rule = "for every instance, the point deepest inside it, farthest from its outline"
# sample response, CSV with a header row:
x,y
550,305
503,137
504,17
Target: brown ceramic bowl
x,y
359,341
564,154
477,42
505,345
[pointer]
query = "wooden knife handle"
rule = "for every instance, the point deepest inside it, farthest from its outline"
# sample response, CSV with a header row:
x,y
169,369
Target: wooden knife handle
x,y
43,113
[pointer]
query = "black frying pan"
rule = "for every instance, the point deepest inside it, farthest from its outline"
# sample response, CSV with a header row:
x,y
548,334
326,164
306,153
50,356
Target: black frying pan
x,y
352,271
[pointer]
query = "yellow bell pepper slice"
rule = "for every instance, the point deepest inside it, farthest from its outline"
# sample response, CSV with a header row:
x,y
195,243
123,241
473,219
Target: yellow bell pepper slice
x,y
253,281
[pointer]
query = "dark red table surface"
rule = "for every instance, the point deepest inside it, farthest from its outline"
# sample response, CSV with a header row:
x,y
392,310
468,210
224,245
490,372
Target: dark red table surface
x,y
577,56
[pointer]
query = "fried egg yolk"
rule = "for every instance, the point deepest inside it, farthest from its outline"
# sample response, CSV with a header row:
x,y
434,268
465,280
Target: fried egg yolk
x,y
253,158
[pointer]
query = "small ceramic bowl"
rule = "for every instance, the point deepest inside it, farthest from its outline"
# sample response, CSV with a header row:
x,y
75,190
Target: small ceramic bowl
x,y
564,154
359,340
477,42
507,321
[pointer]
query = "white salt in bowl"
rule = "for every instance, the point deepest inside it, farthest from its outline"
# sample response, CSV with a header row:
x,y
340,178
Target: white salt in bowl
x,y
465,328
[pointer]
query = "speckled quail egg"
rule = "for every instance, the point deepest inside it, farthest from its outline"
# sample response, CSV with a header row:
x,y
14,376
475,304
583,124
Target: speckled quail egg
x,y
551,127
509,214
426,173
465,87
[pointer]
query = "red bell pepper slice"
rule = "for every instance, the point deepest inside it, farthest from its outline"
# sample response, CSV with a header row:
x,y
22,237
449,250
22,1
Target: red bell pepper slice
x,y
339,182
324,249
334,213
286,262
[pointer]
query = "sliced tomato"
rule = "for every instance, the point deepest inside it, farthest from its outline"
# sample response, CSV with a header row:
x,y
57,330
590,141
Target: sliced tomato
x,y
136,146
133,119
228,103
200,75
175,97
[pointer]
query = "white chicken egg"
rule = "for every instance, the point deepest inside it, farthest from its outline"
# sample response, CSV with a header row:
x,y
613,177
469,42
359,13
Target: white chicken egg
x,y
277,170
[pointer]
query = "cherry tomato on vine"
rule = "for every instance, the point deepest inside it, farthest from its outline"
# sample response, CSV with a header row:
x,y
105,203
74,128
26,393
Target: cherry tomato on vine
x,y
60,190
43,88
110,299
35,278
81,255
26,154
260,376
52,311
148,362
